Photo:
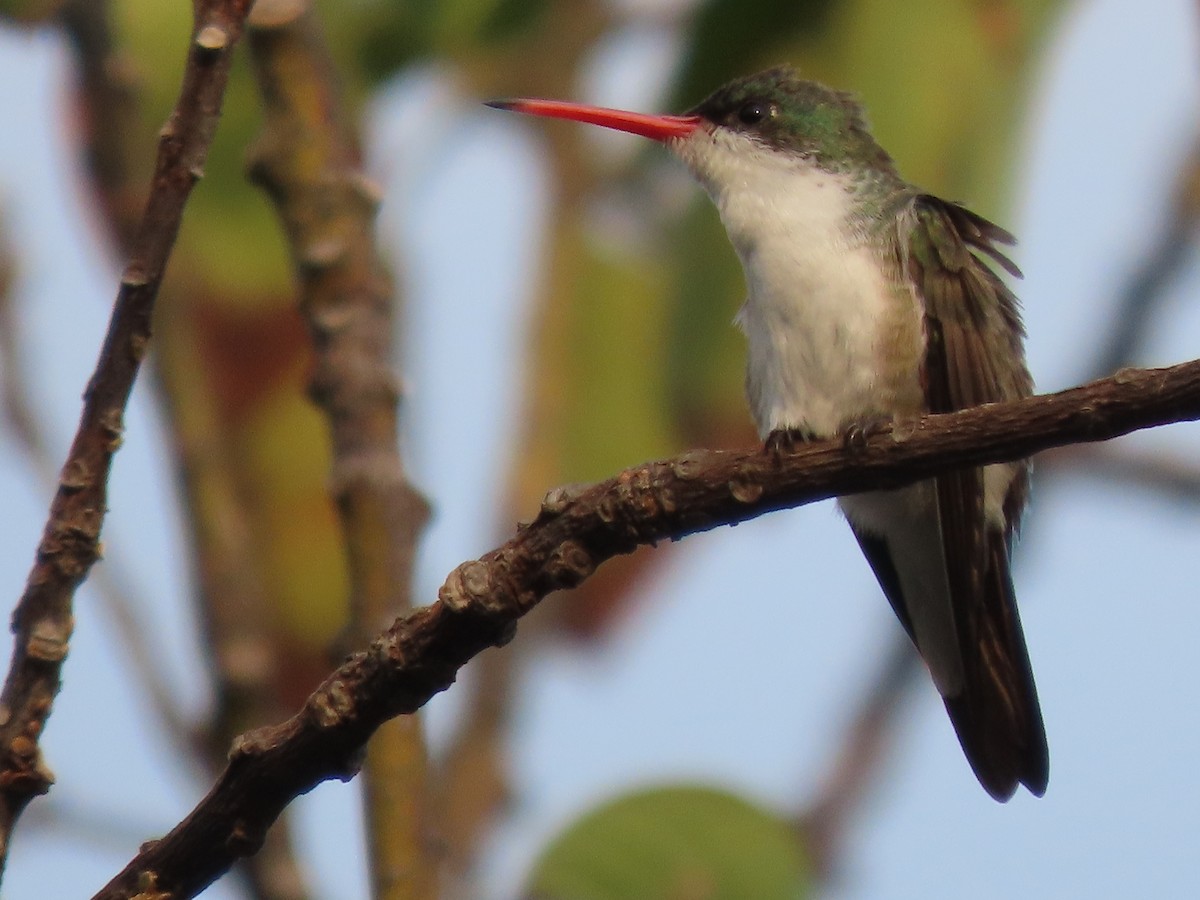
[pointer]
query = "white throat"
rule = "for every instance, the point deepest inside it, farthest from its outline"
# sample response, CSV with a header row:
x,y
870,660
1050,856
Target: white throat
x,y
830,337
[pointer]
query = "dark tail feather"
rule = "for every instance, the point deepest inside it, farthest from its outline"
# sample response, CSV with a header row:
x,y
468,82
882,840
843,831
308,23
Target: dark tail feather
x,y
997,716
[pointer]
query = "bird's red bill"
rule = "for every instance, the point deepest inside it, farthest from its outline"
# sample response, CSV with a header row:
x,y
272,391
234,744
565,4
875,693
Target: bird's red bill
x,y
658,128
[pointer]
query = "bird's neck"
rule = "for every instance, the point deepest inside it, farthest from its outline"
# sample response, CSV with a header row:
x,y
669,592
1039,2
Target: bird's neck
x,y
781,206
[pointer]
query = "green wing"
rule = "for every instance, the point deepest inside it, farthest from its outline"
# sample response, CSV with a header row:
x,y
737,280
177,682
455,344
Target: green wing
x,y
973,356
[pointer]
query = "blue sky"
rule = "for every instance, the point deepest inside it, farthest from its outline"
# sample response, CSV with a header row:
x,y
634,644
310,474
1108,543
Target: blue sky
x,y
1106,578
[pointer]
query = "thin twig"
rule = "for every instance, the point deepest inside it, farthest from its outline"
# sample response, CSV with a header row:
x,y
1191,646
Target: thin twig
x,y
42,621
1145,292
105,80
243,661
1175,480
308,160
111,582
576,530
235,619
862,749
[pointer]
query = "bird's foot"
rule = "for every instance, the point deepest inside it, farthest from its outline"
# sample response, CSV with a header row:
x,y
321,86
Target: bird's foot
x,y
857,432
784,440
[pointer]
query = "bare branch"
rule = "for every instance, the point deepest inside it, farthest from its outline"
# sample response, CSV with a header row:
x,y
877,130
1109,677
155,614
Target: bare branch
x,y
42,621
861,751
575,531
112,582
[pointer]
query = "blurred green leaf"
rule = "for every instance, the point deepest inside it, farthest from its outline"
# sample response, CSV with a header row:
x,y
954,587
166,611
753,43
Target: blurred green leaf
x,y
618,414
726,34
390,34
676,843
510,18
706,353
31,11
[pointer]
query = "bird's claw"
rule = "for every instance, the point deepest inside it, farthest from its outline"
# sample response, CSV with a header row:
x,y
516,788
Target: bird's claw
x,y
856,433
784,440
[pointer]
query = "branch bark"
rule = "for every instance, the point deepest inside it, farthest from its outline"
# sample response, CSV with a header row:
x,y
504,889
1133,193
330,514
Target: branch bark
x,y
576,530
42,622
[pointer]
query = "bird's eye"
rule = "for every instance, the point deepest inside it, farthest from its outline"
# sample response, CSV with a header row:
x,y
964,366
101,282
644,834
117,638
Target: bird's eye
x,y
754,112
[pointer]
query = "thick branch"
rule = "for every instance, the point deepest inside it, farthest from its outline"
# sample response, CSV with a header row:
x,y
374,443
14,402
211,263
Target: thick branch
x,y
42,621
575,531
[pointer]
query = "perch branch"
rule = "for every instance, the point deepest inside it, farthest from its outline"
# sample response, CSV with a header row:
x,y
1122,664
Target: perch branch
x,y
575,530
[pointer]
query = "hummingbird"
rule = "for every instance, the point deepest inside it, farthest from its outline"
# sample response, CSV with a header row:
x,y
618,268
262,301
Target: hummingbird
x,y
870,300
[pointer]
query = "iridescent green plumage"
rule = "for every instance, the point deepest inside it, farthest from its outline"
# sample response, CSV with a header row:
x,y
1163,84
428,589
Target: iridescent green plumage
x,y
800,117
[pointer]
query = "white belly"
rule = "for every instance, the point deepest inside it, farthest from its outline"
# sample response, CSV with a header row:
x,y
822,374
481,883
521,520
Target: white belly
x,y
829,340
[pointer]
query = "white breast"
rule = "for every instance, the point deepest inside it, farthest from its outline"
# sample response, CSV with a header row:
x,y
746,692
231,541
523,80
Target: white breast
x,y
820,317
